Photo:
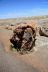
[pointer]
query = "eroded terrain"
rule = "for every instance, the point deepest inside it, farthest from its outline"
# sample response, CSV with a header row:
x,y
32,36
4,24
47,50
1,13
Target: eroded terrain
x,y
12,61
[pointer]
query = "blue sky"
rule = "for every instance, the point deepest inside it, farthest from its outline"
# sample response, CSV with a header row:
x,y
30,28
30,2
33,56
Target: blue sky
x,y
20,8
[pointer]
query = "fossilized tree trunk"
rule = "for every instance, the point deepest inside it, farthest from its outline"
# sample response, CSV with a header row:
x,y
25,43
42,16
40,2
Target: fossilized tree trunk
x,y
23,37
43,31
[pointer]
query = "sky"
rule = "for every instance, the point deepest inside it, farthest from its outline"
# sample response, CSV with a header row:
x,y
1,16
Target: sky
x,y
22,8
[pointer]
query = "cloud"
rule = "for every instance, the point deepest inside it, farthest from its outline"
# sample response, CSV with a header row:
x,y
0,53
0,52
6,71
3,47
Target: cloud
x,y
33,12
16,14
39,11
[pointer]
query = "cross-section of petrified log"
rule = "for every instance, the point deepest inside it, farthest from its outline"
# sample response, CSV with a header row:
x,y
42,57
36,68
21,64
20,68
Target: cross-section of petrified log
x,y
23,37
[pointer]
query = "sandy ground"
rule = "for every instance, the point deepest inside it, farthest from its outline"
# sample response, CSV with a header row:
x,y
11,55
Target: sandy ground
x,y
5,36
11,61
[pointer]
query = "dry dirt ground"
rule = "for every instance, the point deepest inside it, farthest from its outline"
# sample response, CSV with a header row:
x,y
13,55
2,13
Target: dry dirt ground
x,y
12,61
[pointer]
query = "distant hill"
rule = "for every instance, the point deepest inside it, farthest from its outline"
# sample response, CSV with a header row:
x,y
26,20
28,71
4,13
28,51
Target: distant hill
x,y
16,20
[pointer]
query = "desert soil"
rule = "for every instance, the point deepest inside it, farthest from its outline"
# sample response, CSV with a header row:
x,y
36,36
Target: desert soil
x,y
12,61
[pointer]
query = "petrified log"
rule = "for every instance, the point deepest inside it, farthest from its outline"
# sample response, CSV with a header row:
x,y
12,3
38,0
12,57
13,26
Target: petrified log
x,y
23,37
43,31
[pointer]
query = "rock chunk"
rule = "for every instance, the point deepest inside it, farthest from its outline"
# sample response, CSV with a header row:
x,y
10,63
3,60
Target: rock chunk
x,y
43,31
23,38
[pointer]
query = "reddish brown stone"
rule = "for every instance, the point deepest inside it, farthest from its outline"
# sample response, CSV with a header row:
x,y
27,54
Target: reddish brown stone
x,y
23,38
